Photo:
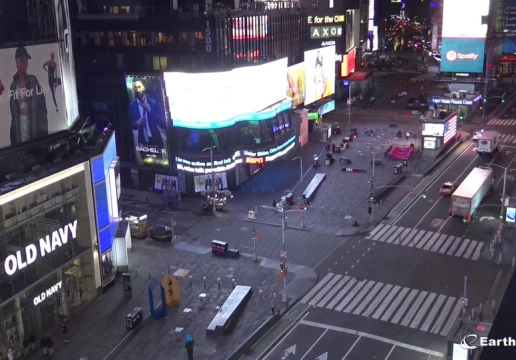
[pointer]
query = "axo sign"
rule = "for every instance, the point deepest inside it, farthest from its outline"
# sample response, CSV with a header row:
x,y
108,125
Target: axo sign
x,y
47,293
49,243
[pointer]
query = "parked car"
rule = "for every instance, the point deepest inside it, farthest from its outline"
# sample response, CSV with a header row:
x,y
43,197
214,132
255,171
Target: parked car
x,y
447,189
160,232
477,134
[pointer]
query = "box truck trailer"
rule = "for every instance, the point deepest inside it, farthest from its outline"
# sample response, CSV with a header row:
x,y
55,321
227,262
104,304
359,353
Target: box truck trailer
x,y
470,193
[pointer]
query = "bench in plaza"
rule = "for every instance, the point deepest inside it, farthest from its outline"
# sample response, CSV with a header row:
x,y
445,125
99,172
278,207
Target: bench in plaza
x,y
230,311
310,190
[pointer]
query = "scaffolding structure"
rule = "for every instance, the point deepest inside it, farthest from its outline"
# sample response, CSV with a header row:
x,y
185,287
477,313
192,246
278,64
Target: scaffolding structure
x,y
42,18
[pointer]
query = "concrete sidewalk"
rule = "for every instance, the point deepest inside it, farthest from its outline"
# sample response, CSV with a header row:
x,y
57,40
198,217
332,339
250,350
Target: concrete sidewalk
x,y
99,331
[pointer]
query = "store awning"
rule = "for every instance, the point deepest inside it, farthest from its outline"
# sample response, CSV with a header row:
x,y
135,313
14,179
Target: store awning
x,y
358,76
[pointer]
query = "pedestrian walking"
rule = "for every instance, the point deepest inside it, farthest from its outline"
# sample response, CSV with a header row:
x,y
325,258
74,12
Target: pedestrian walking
x,y
50,344
64,331
32,340
274,204
333,148
26,344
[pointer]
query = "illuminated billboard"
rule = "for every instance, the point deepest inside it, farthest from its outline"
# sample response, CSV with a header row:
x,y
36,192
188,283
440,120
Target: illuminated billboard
x,y
249,27
214,100
465,55
348,63
296,84
432,129
463,19
32,96
320,73
147,119
352,24
450,129
509,35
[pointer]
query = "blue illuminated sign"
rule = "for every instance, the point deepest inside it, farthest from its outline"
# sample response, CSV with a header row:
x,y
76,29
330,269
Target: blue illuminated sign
x,y
100,166
345,82
509,37
464,55
263,115
326,108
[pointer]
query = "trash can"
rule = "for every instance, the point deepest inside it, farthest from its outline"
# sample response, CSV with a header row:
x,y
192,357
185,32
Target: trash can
x,y
134,318
219,247
315,161
398,169
405,162
327,161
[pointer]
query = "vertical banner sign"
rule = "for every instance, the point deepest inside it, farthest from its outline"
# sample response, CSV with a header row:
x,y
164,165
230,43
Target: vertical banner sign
x,y
208,36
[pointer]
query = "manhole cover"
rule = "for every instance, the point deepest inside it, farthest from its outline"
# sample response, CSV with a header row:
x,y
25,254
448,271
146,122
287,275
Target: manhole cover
x,y
244,228
181,272
209,351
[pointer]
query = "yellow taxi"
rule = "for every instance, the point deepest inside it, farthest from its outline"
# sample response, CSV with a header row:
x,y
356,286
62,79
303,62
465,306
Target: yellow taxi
x,y
447,189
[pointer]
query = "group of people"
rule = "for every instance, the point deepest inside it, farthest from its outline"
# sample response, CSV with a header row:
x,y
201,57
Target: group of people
x,y
29,344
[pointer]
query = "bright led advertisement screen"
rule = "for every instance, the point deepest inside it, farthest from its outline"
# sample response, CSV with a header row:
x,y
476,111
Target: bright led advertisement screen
x,y
462,55
214,100
147,119
296,83
348,63
463,18
450,129
430,129
320,73
509,37
250,27
216,181
32,97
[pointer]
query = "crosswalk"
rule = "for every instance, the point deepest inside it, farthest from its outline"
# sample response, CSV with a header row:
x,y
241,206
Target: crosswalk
x,y
413,308
427,240
507,139
502,122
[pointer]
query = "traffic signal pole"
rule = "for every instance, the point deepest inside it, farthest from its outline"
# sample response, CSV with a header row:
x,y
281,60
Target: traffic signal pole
x,y
372,185
283,227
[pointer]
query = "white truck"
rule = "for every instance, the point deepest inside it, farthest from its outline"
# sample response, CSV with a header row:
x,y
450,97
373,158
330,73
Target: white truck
x,y
488,142
470,193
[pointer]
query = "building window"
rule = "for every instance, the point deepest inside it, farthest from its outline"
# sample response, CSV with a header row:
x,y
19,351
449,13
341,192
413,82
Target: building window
x,y
117,38
184,38
164,38
198,36
111,39
145,39
104,39
159,63
131,38
125,9
91,38
113,9
98,41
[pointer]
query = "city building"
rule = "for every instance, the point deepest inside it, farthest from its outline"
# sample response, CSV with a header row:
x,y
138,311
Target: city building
x,y
179,57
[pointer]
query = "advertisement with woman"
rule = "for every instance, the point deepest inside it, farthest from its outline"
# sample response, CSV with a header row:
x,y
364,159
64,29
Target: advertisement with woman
x,y
296,78
32,100
147,119
320,73
211,182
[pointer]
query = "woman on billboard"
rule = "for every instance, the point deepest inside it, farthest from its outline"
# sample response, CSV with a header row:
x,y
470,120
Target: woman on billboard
x,y
53,81
323,86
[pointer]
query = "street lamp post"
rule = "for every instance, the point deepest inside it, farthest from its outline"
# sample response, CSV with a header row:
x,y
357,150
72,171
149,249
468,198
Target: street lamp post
x,y
301,184
212,177
349,104
504,182
283,214
485,95
371,182
252,215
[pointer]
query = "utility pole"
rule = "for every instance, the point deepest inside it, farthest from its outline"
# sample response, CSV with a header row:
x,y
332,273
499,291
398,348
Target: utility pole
x,y
349,104
254,213
485,95
464,297
371,181
302,188
212,179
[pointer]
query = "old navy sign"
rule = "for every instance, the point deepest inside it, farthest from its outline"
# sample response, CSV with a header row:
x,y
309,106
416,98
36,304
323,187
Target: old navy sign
x,y
47,293
46,245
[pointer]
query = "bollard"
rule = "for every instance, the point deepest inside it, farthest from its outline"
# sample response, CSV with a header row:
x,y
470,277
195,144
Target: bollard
x,y
204,281
233,282
218,281
472,316
272,310
150,275
260,293
491,251
190,280
278,309
493,305
500,258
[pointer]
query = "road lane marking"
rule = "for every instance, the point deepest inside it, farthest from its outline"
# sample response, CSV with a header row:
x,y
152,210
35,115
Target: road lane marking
x,y
324,290
350,295
444,313
394,235
377,300
333,291
421,312
444,224
476,255
424,240
397,317
417,238
368,298
471,247
409,237
430,242
315,343
439,243
402,236
388,233
284,336
433,312
361,334
390,352
386,302
341,294
351,348
359,296
462,248
375,230
447,244
451,320
387,315
316,288
413,308
455,246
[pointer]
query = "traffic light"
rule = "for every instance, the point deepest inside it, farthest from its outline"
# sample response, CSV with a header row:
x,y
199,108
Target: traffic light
x,y
282,269
503,100
424,195
485,100
371,197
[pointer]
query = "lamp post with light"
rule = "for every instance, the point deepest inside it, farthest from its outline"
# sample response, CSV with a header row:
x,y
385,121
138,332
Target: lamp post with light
x,y
212,178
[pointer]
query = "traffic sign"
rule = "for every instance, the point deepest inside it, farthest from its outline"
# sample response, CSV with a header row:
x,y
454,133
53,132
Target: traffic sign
x,y
283,254
464,301
302,206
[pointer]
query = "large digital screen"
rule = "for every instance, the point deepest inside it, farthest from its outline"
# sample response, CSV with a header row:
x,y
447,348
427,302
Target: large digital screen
x,y
208,182
348,63
64,31
351,21
210,100
464,55
463,19
250,27
450,129
510,215
320,73
162,182
147,119
430,129
296,77
32,97
509,36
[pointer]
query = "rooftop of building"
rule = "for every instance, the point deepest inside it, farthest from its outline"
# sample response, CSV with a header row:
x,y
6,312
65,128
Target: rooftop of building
x,y
24,164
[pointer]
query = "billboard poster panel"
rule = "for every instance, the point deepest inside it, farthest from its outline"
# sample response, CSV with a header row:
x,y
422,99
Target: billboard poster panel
x,y
350,37
32,99
465,55
296,83
162,182
64,31
470,24
147,119
208,182
509,37
320,73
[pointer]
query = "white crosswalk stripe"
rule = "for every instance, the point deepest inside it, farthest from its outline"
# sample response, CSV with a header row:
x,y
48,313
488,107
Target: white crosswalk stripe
x,y
413,308
502,122
427,240
506,138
